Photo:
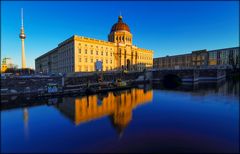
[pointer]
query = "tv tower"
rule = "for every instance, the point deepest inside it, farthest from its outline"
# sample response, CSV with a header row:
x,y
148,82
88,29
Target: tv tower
x,y
22,37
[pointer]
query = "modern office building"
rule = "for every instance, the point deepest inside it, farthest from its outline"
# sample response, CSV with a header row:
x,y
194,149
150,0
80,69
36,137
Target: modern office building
x,y
201,58
80,54
224,56
177,61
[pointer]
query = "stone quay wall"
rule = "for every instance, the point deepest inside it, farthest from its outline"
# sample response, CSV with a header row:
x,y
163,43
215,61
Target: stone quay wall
x,y
39,84
106,77
27,85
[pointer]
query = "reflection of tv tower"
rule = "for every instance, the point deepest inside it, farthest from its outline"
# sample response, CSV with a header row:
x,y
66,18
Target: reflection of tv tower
x,y
25,119
22,37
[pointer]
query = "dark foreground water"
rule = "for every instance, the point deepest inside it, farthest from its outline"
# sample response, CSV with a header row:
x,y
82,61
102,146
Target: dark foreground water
x,y
200,118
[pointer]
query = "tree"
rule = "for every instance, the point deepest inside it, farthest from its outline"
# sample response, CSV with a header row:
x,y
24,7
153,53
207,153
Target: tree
x,y
11,70
233,60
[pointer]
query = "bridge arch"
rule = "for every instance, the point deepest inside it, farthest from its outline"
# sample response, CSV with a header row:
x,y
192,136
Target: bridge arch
x,y
171,80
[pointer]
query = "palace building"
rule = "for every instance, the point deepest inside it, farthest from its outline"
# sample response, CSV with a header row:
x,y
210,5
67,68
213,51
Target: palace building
x,y
80,54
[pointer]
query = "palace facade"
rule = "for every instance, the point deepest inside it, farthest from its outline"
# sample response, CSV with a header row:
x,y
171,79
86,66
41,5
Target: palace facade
x,y
80,54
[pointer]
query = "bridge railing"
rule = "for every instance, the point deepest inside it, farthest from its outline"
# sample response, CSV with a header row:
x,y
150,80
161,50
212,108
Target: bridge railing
x,y
194,68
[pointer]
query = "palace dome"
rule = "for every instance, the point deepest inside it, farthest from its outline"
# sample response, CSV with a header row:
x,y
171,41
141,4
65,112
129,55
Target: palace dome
x,y
120,25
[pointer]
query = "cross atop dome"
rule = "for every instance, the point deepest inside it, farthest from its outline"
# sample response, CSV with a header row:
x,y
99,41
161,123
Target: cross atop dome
x,y
120,18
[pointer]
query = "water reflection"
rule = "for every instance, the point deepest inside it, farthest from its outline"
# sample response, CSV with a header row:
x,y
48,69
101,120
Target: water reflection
x,y
192,118
25,119
222,88
117,105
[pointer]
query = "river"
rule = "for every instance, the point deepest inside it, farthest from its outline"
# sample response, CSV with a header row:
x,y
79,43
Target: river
x,y
193,118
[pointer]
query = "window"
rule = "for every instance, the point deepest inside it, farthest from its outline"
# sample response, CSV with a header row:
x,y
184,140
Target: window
x,y
79,59
92,60
85,59
102,53
85,51
106,53
91,51
96,52
111,61
111,53
79,51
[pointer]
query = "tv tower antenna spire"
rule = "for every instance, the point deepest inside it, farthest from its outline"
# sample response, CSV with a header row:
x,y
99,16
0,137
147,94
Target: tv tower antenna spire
x,y
22,17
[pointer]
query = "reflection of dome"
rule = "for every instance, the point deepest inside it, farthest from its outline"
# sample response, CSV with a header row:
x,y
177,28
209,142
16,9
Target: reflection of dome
x,y
120,25
120,120
119,127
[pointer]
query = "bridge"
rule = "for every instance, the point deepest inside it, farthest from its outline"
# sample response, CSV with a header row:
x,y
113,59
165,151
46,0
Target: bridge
x,y
189,75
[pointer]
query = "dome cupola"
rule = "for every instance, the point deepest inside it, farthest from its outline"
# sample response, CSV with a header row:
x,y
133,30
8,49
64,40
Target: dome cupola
x,y
120,33
119,26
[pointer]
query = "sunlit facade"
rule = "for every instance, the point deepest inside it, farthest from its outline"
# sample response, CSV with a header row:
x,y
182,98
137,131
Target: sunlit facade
x,y
79,54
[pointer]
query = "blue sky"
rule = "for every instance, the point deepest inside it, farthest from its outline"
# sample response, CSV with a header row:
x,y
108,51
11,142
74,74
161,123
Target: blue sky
x,y
168,28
